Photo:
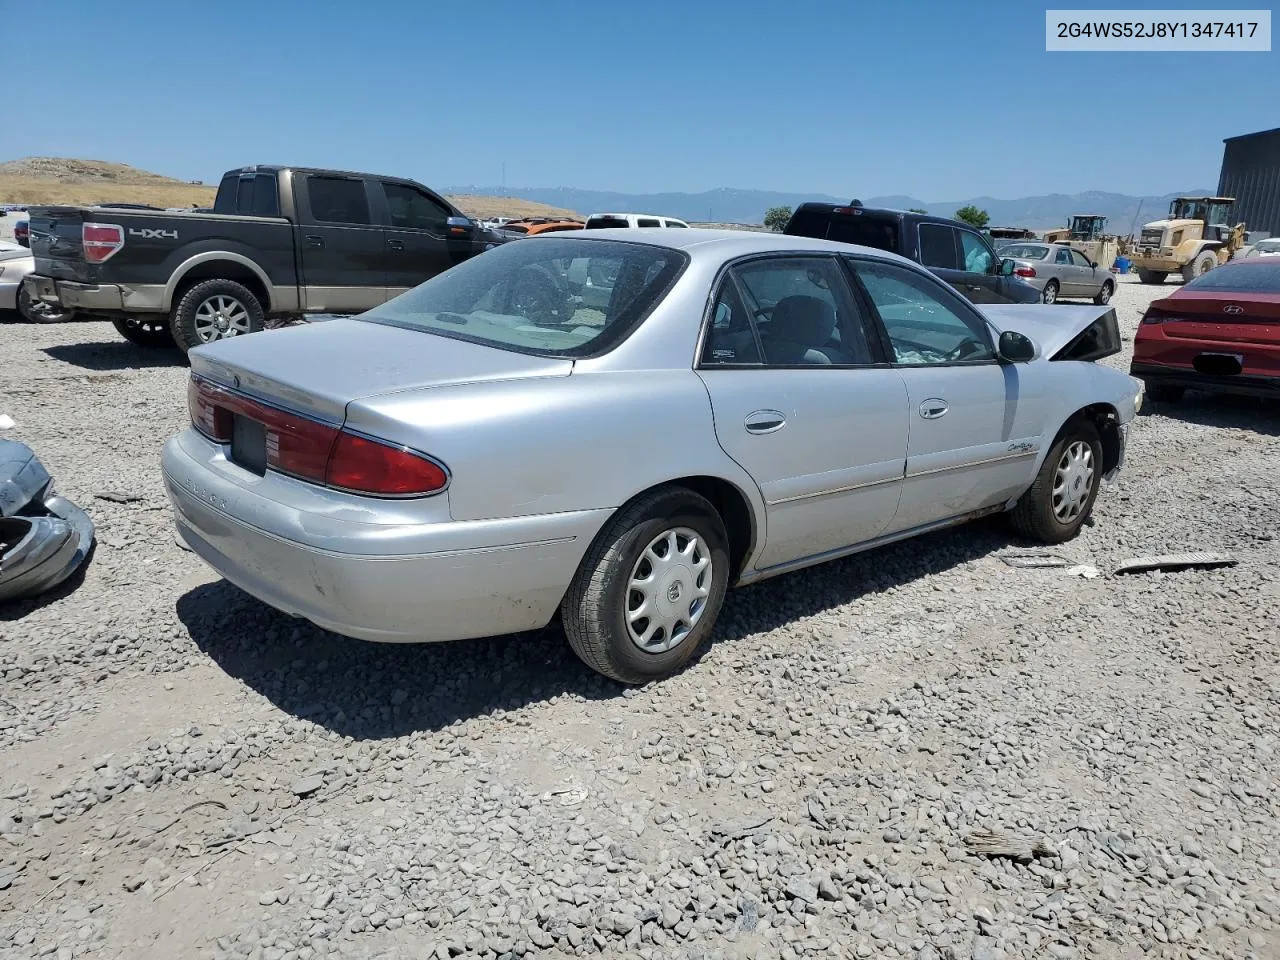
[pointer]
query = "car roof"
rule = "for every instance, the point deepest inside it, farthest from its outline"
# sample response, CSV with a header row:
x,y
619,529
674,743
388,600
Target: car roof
x,y
700,241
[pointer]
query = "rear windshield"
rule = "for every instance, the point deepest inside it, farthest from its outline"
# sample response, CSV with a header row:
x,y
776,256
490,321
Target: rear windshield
x,y
1248,276
558,296
601,223
1023,251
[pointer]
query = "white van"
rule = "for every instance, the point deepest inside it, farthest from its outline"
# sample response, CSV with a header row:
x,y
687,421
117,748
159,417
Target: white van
x,y
605,221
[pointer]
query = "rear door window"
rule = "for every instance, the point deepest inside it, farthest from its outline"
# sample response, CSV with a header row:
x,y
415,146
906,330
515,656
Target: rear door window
x,y
648,222
338,200
864,230
1063,257
938,246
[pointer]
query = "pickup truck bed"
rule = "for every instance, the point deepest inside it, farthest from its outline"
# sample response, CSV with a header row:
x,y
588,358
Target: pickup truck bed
x,y
282,241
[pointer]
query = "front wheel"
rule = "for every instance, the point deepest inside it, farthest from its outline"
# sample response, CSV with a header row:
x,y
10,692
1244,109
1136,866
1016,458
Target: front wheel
x,y
1050,292
1104,295
1062,496
1151,276
1198,267
146,331
650,588
215,310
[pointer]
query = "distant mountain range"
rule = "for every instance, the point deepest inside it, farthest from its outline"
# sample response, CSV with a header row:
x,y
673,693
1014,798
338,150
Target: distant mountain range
x,y
727,205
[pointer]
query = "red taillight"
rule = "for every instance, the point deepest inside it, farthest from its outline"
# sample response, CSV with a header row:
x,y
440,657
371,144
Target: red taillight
x,y
314,451
1025,271
211,420
1155,316
369,466
100,240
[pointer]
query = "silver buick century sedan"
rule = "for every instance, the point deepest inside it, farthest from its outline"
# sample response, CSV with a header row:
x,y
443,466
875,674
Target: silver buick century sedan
x,y
620,425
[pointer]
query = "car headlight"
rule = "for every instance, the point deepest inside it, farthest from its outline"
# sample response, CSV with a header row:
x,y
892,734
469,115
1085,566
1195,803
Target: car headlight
x,y
1137,397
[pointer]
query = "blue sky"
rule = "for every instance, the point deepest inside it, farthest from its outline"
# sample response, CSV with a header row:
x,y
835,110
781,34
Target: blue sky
x,y
940,101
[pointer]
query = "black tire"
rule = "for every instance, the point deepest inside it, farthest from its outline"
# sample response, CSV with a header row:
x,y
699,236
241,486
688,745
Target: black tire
x,y
187,333
1163,392
35,312
1050,292
595,608
1034,516
1201,264
1152,276
150,331
1104,295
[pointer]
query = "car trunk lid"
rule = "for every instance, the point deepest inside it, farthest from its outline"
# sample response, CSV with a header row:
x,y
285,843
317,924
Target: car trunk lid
x,y
318,369
1246,318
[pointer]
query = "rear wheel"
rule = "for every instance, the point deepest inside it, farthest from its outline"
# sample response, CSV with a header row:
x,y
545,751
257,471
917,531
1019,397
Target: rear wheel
x,y
1152,276
1104,295
1050,292
1061,498
650,588
148,331
215,310
37,311
1202,264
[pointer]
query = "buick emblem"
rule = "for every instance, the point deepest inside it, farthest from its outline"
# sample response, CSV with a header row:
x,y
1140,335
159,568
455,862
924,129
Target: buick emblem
x,y
1233,308
674,591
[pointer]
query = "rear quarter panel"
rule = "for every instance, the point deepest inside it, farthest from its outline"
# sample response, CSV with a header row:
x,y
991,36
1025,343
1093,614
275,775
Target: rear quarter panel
x,y
545,445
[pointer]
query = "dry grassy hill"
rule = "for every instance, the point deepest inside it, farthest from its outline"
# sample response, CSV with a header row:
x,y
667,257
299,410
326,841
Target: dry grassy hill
x,y
35,180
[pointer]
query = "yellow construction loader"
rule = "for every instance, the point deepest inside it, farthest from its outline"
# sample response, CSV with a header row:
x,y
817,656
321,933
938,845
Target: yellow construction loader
x,y
1195,237
1087,233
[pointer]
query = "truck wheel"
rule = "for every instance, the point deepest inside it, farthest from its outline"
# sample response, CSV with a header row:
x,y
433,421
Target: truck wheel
x,y
149,332
36,311
1202,264
1152,276
214,310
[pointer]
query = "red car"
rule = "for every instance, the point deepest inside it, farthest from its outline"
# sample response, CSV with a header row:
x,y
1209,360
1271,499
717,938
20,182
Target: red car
x,y
1219,333
22,232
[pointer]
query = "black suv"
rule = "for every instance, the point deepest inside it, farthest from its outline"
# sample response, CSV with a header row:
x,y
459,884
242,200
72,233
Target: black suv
x,y
954,251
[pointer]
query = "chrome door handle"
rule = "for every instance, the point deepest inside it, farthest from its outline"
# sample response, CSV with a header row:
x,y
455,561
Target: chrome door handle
x,y
765,421
933,409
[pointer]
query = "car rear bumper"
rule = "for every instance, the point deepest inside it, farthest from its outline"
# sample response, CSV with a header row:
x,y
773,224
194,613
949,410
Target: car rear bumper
x,y
1242,383
425,583
104,297
9,294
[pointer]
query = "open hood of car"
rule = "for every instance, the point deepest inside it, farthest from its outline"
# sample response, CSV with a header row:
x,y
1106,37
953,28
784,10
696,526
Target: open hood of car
x,y
1075,332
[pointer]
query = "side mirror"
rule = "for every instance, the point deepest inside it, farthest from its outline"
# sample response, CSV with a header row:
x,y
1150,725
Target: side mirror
x,y
1093,264
1007,267
459,226
1014,347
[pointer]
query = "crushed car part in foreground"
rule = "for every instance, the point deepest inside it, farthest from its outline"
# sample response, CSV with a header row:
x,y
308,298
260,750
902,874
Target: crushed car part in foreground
x,y
1176,561
44,537
1034,560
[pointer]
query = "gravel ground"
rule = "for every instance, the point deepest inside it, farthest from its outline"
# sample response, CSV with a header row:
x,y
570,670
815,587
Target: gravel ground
x,y
187,773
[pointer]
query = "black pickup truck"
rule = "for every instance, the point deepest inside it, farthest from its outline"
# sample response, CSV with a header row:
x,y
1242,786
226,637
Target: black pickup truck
x,y
952,250
281,242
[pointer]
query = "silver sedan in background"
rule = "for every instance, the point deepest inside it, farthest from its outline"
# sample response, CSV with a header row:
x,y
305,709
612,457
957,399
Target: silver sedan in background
x,y
1057,271
619,425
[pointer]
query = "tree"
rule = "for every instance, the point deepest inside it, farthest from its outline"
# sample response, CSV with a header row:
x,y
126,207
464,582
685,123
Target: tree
x,y
776,218
973,216
917,210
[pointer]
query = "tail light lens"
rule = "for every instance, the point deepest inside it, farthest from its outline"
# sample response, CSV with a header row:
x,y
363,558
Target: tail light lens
x,y
1025,271
101,240
317,452
1155,316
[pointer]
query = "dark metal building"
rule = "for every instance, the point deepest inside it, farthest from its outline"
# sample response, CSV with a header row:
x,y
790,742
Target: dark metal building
x,y
1251,174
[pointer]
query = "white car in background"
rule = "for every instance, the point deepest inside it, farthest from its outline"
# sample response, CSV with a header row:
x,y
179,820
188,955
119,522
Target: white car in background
x,y
16,261
608,221
1269,247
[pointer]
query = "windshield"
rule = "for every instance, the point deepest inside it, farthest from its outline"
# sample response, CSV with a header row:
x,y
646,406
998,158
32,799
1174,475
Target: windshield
x,y
1187,210
1247,276
557,296
1024,251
